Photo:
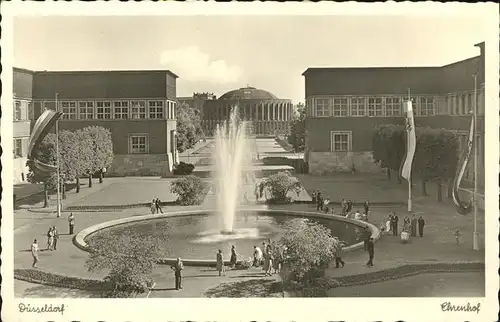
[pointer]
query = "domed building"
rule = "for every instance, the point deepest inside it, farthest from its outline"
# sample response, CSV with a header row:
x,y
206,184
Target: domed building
x,y
267,114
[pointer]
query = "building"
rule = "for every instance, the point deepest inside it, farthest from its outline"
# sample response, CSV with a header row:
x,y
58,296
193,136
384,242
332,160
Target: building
x,y
23,115
344,105
267,114
138,107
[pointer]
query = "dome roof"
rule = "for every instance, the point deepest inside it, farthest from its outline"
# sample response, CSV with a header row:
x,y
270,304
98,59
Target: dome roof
x,y
248,93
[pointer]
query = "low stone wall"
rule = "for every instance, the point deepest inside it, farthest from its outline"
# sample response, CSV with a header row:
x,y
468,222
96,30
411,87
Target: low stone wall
x,y
321,163
141,165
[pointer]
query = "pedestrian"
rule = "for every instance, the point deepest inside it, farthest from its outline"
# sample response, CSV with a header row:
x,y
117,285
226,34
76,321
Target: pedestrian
x,y
257,256
325,205
421,224
153,206
256,193
367,234
314,197
413,226
158,205
34,252
395,220
278,260
357,215
343,204
220,263
349,205
177,268
367,207
457,236
71,221
319,201
338,254
234,257
388,224
56,236
371,252
50,239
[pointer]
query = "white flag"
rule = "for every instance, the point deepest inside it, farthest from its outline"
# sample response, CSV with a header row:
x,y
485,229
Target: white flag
x,y
411,142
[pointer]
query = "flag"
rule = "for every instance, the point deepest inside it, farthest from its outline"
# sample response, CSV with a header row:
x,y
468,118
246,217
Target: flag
x,y
411,142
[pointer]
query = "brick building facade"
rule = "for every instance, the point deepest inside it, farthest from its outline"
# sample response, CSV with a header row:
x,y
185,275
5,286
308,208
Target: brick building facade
x,y
344,105
138,107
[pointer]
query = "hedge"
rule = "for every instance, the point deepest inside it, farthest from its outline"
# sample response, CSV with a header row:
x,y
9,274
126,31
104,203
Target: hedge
x,y
40,277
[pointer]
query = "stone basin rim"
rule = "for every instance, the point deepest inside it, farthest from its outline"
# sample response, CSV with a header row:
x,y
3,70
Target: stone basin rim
x,y
79,239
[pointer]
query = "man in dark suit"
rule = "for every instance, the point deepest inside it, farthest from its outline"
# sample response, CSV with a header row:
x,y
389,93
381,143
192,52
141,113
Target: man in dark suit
x,y
178,267
395,220
371,252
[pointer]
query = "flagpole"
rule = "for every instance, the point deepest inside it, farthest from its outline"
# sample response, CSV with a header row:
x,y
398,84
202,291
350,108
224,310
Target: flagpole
x,y
475,236
57,164
407,146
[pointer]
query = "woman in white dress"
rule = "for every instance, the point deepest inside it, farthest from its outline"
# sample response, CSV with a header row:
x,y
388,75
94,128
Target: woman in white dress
x,y
388,224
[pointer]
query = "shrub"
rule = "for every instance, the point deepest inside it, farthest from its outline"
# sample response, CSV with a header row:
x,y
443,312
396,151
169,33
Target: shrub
x,y
129,259
189,189
309,249
183,168
280,184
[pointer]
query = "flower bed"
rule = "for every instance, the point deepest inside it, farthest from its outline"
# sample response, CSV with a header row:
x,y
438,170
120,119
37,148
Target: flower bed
x,y
39,277
318,287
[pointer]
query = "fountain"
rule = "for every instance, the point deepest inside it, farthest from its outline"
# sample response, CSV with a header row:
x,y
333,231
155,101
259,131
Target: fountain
x,y
232,157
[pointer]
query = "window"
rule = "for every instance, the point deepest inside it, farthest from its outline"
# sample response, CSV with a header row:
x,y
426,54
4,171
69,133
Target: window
x,y
69,110
103,110
138,143
86,110
427,106
393,106
375,107
18,148
31,111
18,111
340,107
138,109
155,109
322,107
340,141
358,106
120,109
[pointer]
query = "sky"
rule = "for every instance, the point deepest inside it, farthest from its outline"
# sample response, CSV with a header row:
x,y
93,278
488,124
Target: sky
x,y
219,53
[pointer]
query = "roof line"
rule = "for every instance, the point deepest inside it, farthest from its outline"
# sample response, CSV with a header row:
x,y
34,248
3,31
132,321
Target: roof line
x,y
96,71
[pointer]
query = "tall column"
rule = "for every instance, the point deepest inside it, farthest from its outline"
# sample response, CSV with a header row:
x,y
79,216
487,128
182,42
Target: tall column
x,y
269,111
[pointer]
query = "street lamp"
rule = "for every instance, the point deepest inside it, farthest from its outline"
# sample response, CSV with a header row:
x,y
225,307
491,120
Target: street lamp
x,y
57,164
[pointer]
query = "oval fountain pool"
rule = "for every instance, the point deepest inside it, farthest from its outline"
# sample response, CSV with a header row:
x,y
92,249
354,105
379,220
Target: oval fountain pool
x,y
196,236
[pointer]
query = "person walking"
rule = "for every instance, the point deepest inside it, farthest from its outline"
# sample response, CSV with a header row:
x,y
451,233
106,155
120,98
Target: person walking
x,y
158,205
71,221
314,197
371,252
413,224
177,268
153,206
367,234
319,201
56,236
234,257
338,254
421,224
395,220
257,256
34,252
50,239
220,263
367,207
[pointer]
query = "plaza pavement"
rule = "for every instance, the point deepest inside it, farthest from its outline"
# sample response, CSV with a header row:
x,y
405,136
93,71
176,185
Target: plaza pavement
x,y
438,244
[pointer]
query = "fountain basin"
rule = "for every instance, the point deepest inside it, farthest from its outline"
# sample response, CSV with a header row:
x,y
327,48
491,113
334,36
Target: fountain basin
x,y
194,240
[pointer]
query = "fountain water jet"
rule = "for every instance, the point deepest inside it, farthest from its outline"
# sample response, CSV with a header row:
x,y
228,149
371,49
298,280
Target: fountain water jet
x,y
232,156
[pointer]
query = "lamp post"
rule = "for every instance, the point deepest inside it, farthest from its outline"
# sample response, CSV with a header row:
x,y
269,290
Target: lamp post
x,y
57,164
475,236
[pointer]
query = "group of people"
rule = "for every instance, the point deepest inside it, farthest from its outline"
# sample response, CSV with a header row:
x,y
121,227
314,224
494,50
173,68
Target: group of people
x,y
322,204
156,206
409,225
52,239
271,259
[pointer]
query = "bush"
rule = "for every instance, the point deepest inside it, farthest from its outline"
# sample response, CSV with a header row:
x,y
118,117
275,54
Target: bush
x,y
189,189
129,259
309,249
183,168
280,184
36,276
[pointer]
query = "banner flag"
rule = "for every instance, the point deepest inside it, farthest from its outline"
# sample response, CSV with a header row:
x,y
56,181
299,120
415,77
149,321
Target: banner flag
x,y
411,141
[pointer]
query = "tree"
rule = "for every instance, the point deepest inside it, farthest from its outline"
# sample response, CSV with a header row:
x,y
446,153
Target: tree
x,y
129,259
102,150
46,153
189,189
69,160
309,246
189,129
388,144
279,184
298,129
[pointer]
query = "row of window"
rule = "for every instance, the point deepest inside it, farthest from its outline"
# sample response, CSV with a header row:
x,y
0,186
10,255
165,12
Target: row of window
x,y
19,147
459,104
267,112
22,110
119,109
